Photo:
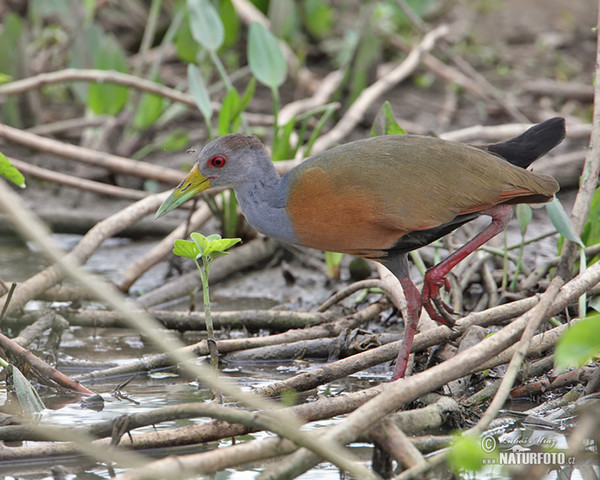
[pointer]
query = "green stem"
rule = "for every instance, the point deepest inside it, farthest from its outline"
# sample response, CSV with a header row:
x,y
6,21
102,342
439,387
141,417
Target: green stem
x,y
275,94
222,72
513,283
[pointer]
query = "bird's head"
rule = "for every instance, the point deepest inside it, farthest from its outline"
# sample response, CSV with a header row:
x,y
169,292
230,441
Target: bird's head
x,y
226,161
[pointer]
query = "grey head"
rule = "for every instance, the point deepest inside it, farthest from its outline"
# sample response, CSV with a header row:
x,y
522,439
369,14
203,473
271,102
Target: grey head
x,y
234,160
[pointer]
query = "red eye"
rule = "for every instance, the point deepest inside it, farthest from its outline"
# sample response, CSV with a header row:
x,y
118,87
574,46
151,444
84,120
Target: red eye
x,y
217,161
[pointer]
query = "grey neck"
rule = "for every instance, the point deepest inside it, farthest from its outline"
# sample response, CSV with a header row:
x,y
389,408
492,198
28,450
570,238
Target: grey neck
x,y
263,201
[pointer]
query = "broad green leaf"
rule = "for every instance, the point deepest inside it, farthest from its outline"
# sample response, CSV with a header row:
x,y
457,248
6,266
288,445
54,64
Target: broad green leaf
x,y
227,114
201,242
247,96
231,22
561,221
11,63
199,91
467,453
318,17
524,214
150,108
85,47
176,140
11,173
185,45
281,145
186,249
579,344
265,57
385,123
205,24
30,401
591,231
108,98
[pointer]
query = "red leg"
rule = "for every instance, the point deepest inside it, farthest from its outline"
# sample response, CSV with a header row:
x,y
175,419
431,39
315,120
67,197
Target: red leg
x,y
399,267
435,277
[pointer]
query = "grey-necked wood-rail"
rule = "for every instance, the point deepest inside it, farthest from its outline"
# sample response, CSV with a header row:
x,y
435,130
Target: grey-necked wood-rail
x,y
380,198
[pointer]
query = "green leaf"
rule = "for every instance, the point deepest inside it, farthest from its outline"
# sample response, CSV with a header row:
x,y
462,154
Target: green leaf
x,y
524,214
281,145
385,123
579,344
265,57
186,249
591,231
319,16
231,22
227,114
85,47
30,401
199,91
561,221
11,173
185,45
247,96
466,453
108,98
176,140
201,242
205,24
150,109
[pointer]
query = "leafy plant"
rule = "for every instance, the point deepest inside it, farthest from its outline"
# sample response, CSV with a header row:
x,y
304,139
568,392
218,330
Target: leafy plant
x,y
27,396
203,250
11,173
267,63
467,453
580,344
524,215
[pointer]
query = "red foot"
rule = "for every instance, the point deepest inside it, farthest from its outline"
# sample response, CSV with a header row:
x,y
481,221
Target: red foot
x,y
437,309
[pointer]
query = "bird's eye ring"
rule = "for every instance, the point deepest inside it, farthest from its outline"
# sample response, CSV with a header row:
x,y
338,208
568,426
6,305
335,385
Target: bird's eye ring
x,y
217,161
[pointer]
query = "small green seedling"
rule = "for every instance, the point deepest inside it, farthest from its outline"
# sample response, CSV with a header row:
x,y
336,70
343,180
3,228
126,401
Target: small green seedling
x,y
203,250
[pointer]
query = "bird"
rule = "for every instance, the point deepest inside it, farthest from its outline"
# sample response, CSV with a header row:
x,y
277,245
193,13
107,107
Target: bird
x,y
380,198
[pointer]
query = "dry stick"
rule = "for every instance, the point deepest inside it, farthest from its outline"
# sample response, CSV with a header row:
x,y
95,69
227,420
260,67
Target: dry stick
x,y
542,342
77,182
349,290
91,157
407,389
554,89
365,100
287,426
37,284
141,265
253,320
213,461
321,96
531,281
496,133
97,76
48,321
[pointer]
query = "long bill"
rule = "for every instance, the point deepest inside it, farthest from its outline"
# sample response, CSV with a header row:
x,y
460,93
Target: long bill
x,y
191,185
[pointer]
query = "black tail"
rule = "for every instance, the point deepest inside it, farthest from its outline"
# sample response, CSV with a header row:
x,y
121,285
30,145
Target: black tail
x,y
531,144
